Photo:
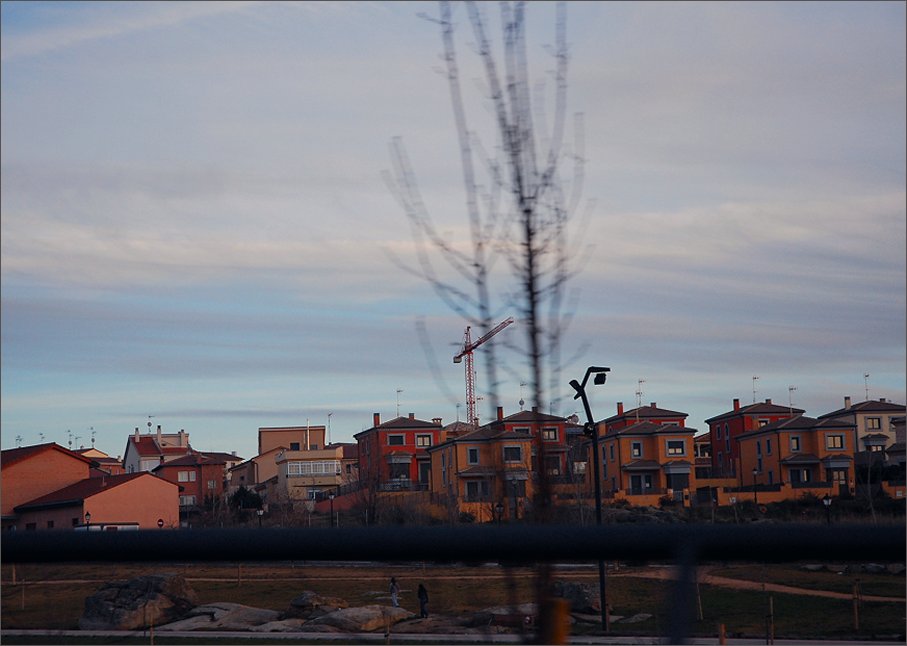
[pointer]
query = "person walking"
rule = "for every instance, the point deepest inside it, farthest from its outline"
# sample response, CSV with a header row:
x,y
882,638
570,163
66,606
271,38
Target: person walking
x,y
422,593
395,591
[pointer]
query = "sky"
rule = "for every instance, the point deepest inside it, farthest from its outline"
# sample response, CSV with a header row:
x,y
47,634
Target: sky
x,y
196,232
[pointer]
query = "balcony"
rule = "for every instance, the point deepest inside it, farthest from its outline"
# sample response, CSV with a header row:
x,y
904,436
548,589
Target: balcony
x,y
402,484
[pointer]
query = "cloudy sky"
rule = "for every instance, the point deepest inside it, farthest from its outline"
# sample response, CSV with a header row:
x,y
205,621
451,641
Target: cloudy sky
x,y
195,225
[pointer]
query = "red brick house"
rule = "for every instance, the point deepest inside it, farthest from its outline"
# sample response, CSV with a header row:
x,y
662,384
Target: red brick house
x,y
724,430
201,476
393,456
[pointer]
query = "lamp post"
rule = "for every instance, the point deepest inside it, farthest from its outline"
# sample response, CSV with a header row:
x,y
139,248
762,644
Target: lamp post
x,y
826,500
590,429
87,521
755,493
260,512
331,498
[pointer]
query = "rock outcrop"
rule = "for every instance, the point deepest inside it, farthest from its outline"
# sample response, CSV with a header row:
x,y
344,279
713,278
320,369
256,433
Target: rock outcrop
x,y
310,605
362,619
223,616
138,603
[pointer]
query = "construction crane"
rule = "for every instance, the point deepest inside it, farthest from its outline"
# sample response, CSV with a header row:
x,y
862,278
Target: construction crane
x,y
468,346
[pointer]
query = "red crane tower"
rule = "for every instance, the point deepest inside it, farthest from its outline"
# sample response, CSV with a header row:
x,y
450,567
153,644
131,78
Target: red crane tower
x,y
468,346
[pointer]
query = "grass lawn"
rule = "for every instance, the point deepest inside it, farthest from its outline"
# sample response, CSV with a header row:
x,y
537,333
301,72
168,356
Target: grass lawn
x,y
54,595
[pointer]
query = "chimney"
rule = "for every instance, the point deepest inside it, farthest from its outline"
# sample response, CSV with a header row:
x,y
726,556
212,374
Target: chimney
x,y
162,459
768,400
436,421
535,409
736,404
882,399
158,433
136,432
846,403
412,416
500,413
376,419
652,404
620,408
182,437
233,453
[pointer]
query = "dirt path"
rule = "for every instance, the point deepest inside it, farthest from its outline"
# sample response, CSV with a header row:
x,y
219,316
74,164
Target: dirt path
x,y
704,576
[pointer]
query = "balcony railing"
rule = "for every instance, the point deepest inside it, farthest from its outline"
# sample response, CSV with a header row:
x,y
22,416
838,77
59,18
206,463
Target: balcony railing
x,y
402,484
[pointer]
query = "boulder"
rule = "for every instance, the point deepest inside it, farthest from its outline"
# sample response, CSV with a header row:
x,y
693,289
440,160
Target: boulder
x,y
635,619
138,603
283,626
583,597
310,605
223,616
874,568
362,619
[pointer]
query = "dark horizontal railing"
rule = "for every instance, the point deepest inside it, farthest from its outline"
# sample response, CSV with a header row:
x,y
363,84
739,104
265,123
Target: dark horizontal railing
x,y
502,543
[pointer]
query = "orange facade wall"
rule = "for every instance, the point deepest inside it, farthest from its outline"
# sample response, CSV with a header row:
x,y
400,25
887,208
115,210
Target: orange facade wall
x,y
273,438
143,500
39,475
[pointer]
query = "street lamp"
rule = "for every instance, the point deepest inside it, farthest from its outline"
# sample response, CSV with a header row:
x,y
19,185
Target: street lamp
x,y
260,512
826,500
87,521
590,430
755,493
331,498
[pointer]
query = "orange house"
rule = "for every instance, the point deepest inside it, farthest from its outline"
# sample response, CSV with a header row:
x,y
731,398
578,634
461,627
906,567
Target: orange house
x,y
798,454
33,471
131,501
485,472
646,461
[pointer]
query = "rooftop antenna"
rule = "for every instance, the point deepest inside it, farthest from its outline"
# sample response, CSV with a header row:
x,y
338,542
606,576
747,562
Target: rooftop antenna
x,y
639,383
866,384
755,379
149,423
399,390
329,427
41,437
790,399
78,437
458,411
18,441
70,439
522,401
91,428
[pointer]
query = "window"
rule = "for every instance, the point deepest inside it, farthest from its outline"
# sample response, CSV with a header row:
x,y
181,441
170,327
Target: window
x,y
727,444
718,432
50,524
873,423
74,521
294,446
187,500
549,434
472,455
212,484
758,447
636,449
762,422
834,442
553,465
476,490
768,446
676,447
186,476
513,454
794,442
771,477
313,468
313,493
395,440
423,440
611,451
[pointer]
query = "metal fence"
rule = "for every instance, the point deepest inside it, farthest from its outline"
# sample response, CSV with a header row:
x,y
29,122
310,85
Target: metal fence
x,y
684,545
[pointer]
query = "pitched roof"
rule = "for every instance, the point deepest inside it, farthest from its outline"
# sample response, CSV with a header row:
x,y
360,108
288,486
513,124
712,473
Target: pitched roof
x,y
869,406
401,423
646,411
79,491
146,445
532,416
759,408
649,428
10,457
798,423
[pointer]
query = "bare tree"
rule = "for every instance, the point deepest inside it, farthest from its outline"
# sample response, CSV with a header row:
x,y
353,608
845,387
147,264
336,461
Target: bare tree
x,y
519,212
